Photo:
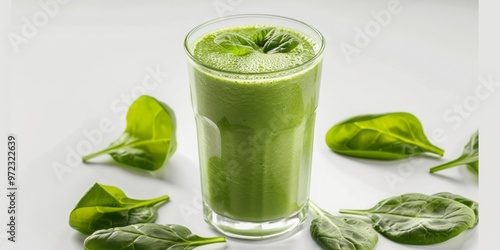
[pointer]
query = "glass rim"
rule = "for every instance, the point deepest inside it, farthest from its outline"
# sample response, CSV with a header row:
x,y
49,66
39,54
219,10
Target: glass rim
x,y
220,19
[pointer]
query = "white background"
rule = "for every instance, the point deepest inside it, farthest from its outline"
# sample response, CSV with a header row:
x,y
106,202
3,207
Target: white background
x,y
88,62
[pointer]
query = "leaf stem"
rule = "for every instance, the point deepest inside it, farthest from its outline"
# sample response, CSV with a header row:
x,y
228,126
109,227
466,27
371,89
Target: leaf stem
x,y
104,151
355,212
444,166
459,161
206,241
141,203
158,200
316,209
436,150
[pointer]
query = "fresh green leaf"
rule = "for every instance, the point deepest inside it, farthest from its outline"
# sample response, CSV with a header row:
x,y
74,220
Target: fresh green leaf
x,y
419,219
469,157
148,140
269,39
340,232
262,35
147,237
469,203
235,43
107,206
280,42
385,137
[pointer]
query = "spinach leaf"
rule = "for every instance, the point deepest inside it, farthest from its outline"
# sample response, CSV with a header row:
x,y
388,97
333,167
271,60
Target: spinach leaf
x,y
269,39
147,236
149,138
280,42
340,232
469,203
235,43
262,35
419,219
469,157
385,137
107,206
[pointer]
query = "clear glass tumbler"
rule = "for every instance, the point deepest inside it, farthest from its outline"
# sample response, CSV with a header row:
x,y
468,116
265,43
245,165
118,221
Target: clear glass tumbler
x,y
255,133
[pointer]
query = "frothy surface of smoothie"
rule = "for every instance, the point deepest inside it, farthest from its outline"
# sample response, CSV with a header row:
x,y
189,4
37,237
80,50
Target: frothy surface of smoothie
x,y
214,55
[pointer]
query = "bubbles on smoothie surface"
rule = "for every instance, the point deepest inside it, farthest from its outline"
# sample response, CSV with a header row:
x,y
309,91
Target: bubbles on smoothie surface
x,y
212,54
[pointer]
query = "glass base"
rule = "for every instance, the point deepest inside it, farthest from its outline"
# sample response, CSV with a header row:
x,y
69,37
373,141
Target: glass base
x,y
253,230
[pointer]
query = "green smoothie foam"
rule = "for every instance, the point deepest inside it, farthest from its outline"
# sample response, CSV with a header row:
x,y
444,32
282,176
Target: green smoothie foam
x,y
255,127
214,55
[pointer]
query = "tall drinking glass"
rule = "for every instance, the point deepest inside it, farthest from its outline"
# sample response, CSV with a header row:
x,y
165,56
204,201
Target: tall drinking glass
x,y
255,108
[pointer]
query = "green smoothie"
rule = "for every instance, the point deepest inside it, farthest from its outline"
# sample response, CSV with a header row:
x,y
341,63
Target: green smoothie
x,y
255,118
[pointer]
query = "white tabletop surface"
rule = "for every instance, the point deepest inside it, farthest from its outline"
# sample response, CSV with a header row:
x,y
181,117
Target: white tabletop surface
x,y
87,60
